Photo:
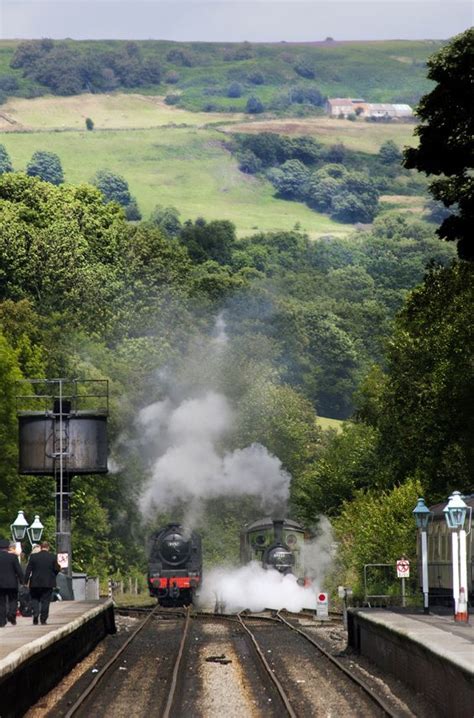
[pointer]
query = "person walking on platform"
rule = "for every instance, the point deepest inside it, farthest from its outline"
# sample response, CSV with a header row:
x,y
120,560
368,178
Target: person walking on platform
x,y
11,575
41,574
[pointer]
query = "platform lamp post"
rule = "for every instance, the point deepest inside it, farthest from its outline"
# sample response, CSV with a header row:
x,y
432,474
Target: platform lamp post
x,y
422,517
455,513
35,531
20,528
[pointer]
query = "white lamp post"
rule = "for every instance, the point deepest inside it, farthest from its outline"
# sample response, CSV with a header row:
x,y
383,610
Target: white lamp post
x,y
422,517
35,531
19,526
455,513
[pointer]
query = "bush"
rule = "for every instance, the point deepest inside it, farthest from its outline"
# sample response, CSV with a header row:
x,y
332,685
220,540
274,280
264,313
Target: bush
x,y
89,124
234,90
183,58
254,106
249,162
304,69
8,83
256,78
172,99
172,77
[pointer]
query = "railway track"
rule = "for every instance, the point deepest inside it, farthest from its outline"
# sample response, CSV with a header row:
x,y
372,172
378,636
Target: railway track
x,y
90,700
384,706
291,699
158,670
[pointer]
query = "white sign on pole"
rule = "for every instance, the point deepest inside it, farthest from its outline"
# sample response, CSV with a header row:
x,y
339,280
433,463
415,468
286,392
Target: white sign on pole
x,y
322,605
63,560
403,568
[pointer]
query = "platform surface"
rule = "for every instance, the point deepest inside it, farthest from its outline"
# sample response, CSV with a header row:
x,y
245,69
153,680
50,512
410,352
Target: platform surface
x,y
20,642
440,634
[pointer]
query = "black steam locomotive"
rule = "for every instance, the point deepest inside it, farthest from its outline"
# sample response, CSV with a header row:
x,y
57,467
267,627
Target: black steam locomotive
x,y
276,544
174,565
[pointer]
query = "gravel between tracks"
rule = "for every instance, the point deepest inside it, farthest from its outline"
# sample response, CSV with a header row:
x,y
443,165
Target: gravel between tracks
x,y
225,687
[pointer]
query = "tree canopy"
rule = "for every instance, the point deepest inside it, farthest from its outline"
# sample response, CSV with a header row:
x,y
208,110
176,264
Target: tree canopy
x,y
446,147
46,166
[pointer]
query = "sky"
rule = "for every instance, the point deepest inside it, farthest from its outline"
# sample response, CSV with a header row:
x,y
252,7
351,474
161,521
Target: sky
x,y
235,21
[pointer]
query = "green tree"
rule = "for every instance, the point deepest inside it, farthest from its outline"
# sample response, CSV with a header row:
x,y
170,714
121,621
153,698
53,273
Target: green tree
x,y
375,527
46,166
61,248
446,147
254,106
290,179
11,489
115,188
209,240
389,153
234,89
5,161
89,124
427,420
167,219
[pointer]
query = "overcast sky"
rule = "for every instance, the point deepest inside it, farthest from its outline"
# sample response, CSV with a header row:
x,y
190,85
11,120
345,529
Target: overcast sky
x,y
228,20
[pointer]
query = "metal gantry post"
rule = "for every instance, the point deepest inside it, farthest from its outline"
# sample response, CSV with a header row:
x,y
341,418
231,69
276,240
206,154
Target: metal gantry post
x,y
63,487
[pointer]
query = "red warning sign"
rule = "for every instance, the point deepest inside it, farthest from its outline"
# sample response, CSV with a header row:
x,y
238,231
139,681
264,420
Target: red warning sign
x,y
403,568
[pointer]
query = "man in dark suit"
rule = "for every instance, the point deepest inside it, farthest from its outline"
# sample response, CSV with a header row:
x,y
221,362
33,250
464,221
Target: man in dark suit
x,y
10,575
41,573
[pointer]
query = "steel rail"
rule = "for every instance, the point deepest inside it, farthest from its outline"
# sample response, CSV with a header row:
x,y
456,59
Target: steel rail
x,y
386,708
276,682
177,665
96,680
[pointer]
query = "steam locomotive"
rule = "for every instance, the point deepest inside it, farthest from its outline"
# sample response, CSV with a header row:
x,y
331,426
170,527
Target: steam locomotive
x,y
174,565
276,544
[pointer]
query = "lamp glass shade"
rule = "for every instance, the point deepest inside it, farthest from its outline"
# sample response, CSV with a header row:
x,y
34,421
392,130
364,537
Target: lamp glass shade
x,y
422,514
19,527
36,530
455,511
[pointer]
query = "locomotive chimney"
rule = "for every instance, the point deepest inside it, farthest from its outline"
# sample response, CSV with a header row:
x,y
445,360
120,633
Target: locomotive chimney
x,y
278,530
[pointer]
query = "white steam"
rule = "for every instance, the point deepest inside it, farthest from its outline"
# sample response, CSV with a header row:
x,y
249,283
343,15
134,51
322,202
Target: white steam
x,y
188,464
254,588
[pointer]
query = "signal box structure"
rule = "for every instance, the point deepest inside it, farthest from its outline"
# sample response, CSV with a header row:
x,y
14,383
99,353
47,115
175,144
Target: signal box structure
x,y
62,433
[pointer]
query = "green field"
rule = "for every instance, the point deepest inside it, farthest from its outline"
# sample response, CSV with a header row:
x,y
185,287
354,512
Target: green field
x,y
326,423
184,167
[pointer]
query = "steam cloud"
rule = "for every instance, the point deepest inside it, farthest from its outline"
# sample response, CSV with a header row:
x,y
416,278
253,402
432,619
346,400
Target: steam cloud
x,y
188,464
254,588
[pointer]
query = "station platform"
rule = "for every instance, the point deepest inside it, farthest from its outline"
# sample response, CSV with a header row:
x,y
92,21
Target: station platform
x,y
34,658
431,653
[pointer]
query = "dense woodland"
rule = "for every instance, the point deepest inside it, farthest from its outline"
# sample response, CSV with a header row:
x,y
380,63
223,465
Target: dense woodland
x,y
375,328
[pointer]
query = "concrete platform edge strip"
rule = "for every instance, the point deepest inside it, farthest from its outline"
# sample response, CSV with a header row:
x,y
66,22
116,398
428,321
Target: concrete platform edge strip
x,y
14,659
437,645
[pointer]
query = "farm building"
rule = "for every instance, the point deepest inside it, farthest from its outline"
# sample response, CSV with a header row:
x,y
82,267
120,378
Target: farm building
x,y
345,106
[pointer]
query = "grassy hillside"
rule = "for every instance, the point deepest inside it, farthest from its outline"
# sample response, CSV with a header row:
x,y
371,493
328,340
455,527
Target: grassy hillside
x,y
184,167
177,157
201,72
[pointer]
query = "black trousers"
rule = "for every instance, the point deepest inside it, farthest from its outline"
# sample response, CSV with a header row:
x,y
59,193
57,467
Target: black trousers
x,y
40,600
8,604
